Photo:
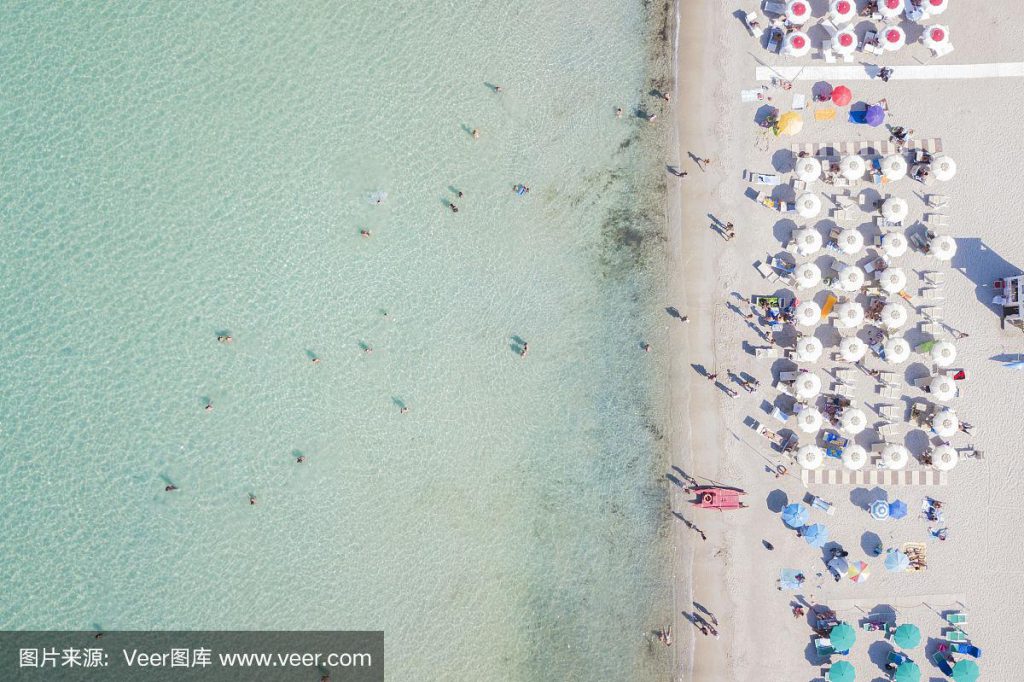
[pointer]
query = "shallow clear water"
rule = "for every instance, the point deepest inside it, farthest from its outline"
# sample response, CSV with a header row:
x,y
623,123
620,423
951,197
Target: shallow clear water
x,y
169,174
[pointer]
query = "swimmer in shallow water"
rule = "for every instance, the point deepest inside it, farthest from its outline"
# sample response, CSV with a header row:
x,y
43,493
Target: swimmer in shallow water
x,y
225,339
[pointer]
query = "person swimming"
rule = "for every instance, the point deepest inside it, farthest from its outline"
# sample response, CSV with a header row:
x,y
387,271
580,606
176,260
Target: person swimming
x,y
453,207
524,350
225,339
170,488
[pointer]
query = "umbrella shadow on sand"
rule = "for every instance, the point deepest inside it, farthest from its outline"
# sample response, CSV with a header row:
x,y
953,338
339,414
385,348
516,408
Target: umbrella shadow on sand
x,y
869,542
864,497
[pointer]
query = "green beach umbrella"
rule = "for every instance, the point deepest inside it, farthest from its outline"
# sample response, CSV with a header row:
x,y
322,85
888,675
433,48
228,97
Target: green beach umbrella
x,y
965,671
907,636
842,671
842,636
907,672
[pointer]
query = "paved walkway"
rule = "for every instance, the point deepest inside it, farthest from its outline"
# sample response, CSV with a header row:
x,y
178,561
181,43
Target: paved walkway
x,y
910,72
873,477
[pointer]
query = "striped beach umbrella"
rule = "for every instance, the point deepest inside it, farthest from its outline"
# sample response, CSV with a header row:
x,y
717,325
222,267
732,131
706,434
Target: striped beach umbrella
x,y
943,168
859,572
808,205
896,350
894,167
808,314
945,423
798,11
965,671
852,167
809,420
852,348
816,535
936,37
895,209
851,278
807,385
842,11
808,169
908,671
795,515
945,457
893,280
893,38
810,457
894,315
798,44
850,314
850,241
845,41
809,349
854,457
943,353
843,637
895,457
807,240
841,671
890,9
935,7
942,388
853,421
879,510
897,561
807,276
894,244
942,247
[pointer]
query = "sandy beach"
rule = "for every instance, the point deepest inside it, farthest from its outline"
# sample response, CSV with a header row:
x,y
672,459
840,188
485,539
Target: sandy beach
x,y
732,575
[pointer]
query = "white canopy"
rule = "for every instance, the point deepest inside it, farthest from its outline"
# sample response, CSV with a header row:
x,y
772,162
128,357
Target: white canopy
x,y
895,456
945,457
845,42
808,205
850,314
852,348
943,353
894,315
893,38
808,313
807,385
842,12
942,388
808,169
808,240
935,36
807,275
854,457
852,167
809,349
850,241
945,423
809,420
798,44
853,421
890,9
896,350
895,209
851,278
810,457
943,168
935,7
894,167
893,280
942,247
894,244
798,11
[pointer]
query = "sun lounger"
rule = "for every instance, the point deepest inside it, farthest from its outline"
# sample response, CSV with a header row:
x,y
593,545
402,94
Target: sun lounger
x,y
775,41
799,102
889,391
937,201
932,294
781,416
932,329
888,431
942,661
971,453
869,38
936,220
917,242
920,412
788,376
934,277
932,312
966,649
826,52
769,179
957,618
755,95
845,390
955,635
766,271
889,412
750,19
942,50
846,375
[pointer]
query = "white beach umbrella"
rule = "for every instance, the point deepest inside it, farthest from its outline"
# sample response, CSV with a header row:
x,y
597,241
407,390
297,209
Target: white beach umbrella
x,y
893,280
807,275
854,457
808,205
852,348
895,209
935,37
935,7
893,38
894,167
808,314
945,423
896,349
810,457
797,11
852,167
943,353
943,168
809,420
850,314
850,241
851,278
842,12
890,9
945,457
808,169
798,44
807,385
942,388
808,241
942,247
809,349
845,41
894,244
853,421
894,315
895,456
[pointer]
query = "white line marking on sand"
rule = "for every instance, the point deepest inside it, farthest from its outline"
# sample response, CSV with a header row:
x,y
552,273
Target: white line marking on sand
x,y
868,71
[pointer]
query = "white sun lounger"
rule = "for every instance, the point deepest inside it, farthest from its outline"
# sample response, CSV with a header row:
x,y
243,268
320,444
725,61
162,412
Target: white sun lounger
x,y
932,294
934,277
937,200
942,50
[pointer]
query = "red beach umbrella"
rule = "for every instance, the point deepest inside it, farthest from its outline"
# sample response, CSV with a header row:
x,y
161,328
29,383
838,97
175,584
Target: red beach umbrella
x,y
841,96
845,41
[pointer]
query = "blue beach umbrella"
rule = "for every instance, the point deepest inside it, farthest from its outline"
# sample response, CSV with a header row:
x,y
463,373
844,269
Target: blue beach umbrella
x,y
816,535
880,510
896,561
874,115
795,515
897,509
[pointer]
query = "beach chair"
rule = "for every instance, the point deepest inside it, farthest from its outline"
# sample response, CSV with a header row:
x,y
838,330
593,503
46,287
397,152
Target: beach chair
x,y
823,647
932,294
888,431
753,25
841,215
933,329
955,635
934,277
937,200
769,179
846,375
889,391
956,618
781,416
936,220
888,378
966,649
766,271
920,411
889,412
845,390
933,313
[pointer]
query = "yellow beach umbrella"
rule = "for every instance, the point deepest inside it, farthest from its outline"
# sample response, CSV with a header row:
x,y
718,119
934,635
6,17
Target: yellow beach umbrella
x,y
790,123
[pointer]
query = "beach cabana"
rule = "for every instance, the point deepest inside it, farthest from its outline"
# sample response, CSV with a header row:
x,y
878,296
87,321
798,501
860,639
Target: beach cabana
x,y
965,671
798,44
874,116
890,9
908,671
895,456
893,280
810,457
808,420
894,244
809,349
894,315
808,205
851,278
841,96
935,7
852,167
845,41
790,123
815,535
936,37
942,247
879,510
895,209
850,314
807,240
843,637
807,385
807,276
896,561
945,423
797,12
894,167
945,457
852,348
808,314
850,241
795,515
893,38
841,671
854,457
943,168
853,421
896,350
808,169
842,12
942,388
943,353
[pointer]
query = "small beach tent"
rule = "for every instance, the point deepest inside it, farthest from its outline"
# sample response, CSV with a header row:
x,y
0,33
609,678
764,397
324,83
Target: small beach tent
x,y
890,9
795,515
896,561
790,123
842,637
906,636
874,116
907,672
841,671
816,535
965,671
897,509
841,96
879,510
935,37
945,457
859,572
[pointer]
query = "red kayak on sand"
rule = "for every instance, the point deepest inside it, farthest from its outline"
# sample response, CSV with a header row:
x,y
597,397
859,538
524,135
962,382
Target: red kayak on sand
x,y
711,497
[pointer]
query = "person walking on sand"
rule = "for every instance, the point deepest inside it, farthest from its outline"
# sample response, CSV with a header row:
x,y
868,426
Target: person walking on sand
x,y
957,334
712,377
703,164
685,319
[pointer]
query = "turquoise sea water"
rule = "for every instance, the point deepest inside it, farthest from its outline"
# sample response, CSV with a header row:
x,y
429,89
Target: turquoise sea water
x,y
172,172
